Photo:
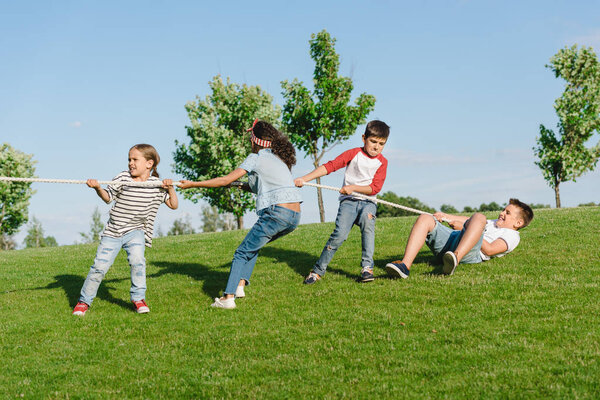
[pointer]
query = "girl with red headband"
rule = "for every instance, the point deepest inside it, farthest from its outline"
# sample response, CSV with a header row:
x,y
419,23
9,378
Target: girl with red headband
x,y
277,202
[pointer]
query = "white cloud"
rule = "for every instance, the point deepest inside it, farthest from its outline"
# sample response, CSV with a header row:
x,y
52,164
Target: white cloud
x,y
76,124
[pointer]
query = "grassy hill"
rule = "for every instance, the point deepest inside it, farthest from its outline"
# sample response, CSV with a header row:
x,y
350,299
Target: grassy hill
x,y
522,326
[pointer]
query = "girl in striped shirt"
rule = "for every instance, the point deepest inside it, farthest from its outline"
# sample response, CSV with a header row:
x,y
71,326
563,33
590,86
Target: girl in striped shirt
x,y
130,224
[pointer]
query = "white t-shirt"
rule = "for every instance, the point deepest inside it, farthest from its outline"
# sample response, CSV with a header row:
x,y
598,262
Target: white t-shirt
x,y
492,232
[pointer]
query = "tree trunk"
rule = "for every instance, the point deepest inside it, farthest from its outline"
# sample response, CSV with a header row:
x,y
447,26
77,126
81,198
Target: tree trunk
x,y
320,201
557,195
240,221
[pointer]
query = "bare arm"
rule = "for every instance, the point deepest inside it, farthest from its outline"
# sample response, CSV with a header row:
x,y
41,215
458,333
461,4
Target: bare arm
x,y
348,189
316,173
496,247
215,182
102,193
455,221
172,202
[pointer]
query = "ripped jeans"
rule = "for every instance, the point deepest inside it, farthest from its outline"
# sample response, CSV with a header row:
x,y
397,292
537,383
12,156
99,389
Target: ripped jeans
x,y
351,212
134,244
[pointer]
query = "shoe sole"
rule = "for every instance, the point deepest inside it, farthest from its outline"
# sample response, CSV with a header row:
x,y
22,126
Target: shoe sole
x,y
449,260
395,271
79,313
371,279
142,311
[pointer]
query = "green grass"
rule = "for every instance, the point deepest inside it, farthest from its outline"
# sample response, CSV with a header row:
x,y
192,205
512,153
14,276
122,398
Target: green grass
x,y
522,326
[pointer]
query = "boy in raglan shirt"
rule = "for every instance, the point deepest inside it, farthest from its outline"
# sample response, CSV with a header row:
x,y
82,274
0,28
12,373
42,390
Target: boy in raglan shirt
x,y
365,173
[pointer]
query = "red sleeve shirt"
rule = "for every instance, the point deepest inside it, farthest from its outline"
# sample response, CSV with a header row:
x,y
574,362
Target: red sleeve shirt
x,y
361,169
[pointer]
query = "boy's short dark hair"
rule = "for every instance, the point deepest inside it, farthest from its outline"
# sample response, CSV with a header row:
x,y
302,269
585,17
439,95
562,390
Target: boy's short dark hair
x,y
378,129
526,211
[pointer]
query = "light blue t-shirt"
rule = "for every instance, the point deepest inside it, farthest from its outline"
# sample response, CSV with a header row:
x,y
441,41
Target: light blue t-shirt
x,y
270,179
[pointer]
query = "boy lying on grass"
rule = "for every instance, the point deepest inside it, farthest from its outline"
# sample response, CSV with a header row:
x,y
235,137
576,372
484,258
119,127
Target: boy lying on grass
x,y
468,240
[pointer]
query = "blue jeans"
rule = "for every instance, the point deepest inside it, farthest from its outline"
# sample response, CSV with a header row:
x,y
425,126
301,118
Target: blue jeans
x,y
361,213
273,222
134,245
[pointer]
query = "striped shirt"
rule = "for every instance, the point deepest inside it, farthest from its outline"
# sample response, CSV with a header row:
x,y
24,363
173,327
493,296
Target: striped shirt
x,y
135,207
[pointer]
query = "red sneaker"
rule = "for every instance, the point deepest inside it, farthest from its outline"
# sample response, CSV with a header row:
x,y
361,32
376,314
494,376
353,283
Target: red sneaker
x,y
80,309
141,307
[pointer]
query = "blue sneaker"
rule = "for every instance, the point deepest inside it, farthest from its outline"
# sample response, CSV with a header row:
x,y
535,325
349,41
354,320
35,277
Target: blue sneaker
x,y
397,269
312,278
366,275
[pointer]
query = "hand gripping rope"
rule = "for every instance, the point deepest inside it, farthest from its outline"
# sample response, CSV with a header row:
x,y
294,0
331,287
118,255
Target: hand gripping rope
x,y
175,183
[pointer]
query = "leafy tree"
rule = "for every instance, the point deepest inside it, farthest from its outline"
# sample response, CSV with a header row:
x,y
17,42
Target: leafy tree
x,y
469,210
388,211
564,157
448,209
35,236
210,219
219,143
493,206
182,227
590,204
539,205
319,120
96,228
213,221
14,196
7,242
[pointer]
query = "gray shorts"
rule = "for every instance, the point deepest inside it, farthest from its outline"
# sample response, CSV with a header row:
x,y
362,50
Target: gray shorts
x,y
442,239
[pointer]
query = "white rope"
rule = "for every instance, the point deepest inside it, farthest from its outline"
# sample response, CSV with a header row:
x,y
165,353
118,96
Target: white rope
x,y
372,198
73,181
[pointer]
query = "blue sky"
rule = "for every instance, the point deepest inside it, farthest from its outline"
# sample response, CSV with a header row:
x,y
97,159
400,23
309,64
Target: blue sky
x,y
461,83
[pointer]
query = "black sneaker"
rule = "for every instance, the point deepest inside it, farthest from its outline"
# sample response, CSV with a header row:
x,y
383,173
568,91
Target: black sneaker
x,y
366,275
397,269
312,278
450,263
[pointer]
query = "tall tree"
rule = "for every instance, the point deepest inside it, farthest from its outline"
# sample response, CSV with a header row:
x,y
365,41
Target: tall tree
x,y
182,227
7,242
319,120
219,143
14,196
565,157
213,221
96,228
35,236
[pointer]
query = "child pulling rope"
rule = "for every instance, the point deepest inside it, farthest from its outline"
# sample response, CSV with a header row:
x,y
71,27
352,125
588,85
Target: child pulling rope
x,y
176,183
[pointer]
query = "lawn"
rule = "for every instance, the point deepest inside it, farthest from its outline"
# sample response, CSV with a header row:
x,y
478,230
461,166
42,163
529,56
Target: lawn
x,y
521,326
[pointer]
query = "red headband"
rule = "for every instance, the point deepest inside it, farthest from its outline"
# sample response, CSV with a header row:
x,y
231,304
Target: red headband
x,y
260,142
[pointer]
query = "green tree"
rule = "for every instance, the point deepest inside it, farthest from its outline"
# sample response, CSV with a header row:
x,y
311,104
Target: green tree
x,y
7,242
182,227
493,206
448,209
213,221
388,211
96,228
35,236
565,157
319,120
14,196
219,143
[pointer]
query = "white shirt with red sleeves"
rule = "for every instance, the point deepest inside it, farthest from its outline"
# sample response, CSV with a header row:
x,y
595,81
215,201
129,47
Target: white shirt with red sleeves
x,y
361,169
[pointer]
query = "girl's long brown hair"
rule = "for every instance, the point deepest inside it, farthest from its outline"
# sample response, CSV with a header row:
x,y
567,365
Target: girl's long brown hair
x,y
149,153
280,144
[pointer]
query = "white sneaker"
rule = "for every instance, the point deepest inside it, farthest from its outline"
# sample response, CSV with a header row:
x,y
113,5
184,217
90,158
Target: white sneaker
x,y
450,262
227,303
239,292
